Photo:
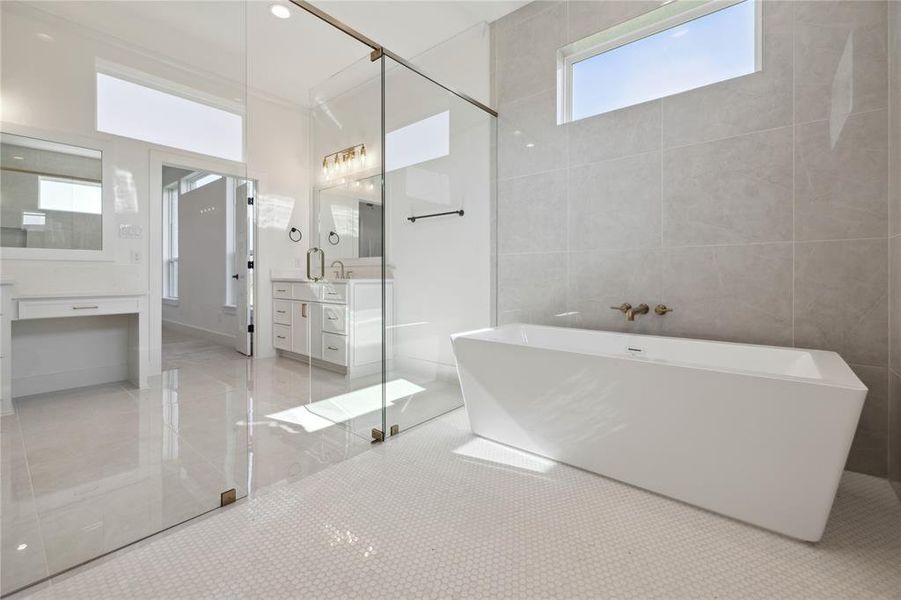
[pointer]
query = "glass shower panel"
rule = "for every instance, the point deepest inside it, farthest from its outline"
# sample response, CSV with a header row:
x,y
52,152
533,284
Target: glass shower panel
x,y
122,414
344,312
439,220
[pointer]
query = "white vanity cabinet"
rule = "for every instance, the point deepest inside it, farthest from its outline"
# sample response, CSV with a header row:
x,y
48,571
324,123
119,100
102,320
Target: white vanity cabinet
x,y
338,324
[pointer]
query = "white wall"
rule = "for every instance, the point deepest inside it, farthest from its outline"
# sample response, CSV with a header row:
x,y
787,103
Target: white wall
x,y
202,251
48,79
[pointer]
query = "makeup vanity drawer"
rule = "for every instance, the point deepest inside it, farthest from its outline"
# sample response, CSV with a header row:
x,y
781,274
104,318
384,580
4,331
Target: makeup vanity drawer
x,y
334,292
281,289
334,348
79,307
334,318
281,312
305,291
281,337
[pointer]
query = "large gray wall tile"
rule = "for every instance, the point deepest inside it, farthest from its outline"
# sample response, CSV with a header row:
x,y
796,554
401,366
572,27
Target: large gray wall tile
x,y
868,450
615,204
729,191
761,100
841,178
526,53
532,213
529,139
894,427
603,278
841,299
895,302
623,132
738,293
840,58
533,283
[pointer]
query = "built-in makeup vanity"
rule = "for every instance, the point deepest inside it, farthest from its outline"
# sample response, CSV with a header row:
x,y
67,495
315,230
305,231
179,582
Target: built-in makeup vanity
x,y
55,342
337,324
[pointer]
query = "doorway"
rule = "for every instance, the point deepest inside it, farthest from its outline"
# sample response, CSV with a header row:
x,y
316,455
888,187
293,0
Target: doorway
x,y
207,264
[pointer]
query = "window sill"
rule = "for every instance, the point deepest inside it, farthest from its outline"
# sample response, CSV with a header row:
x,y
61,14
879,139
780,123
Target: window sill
x,y
170,301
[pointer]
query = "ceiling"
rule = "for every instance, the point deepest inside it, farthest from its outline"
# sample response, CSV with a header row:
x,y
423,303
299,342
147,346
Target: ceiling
x,y
283,58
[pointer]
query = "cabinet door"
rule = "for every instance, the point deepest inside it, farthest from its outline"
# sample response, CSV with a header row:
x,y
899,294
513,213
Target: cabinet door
x,y
300,328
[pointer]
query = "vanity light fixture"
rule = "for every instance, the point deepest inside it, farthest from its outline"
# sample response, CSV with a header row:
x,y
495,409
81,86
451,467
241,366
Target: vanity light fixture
x,y
344,161
280,10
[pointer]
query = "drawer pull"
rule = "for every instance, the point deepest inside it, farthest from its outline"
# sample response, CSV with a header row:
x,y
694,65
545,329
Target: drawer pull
x,y
333,348
303,310
331,318
332,293
280,311
281,337
85,307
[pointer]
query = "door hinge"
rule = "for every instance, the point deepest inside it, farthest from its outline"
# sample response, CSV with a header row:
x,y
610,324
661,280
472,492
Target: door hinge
x,y
250,201
249,264
377,435
250,329
228,497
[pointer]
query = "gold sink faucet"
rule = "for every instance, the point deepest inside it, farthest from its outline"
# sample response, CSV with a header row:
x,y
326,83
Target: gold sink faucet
x,y
630,311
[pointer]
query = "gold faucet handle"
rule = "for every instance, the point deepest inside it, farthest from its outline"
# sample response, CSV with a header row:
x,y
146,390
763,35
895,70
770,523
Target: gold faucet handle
x,y
625,306
662,309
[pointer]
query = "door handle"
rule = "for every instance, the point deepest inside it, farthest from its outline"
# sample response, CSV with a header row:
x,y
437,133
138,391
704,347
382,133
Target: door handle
x,y
235,276
321,252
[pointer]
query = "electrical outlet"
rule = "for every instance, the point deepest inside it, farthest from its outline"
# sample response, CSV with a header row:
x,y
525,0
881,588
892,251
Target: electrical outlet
x,y
136,257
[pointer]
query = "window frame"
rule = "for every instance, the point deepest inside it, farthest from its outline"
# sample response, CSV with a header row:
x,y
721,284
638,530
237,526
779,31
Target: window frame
x,y
170,243
673,14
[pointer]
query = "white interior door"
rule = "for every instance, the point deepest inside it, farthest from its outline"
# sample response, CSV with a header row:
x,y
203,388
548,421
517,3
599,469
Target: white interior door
x,y
243,272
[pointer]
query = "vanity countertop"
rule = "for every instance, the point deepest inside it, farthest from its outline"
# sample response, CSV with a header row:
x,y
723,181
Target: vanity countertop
x,y
56,295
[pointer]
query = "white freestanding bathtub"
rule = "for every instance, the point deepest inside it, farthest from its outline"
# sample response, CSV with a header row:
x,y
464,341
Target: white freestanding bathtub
x,y
757,433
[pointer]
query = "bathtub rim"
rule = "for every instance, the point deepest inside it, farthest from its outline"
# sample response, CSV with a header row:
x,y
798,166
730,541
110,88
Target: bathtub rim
x,y
847,379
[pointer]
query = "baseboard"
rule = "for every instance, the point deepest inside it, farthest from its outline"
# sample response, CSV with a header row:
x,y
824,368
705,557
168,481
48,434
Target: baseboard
x,y
66,380
206,334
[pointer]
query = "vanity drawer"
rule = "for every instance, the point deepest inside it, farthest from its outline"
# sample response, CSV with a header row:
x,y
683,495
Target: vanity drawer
x,y
334,318
48,309
281,337
281,289
334,292
305,291
334,348
281,312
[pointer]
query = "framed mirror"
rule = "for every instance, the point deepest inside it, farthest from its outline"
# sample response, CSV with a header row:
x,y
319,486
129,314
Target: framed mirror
x,y
350,219
52,198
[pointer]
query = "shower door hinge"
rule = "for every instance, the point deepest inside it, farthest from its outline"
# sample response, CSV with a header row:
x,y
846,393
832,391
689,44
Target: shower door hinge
x,y
375,55
249,264
250,328
250,201
395,429
377,435
227,497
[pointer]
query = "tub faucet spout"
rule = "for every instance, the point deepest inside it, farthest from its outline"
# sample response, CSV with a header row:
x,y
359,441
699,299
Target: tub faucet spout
x,y
641,309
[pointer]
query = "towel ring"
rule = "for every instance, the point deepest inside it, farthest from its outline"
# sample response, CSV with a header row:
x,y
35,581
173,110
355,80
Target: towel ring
x,y
333,234
293,237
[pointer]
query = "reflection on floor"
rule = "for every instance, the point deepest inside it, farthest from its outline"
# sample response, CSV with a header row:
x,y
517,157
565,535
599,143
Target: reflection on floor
x,y
86,471
439,513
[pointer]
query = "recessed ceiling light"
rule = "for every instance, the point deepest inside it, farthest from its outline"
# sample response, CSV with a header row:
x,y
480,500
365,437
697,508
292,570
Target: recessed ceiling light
x,y
45,37
21,547
280,10
18,158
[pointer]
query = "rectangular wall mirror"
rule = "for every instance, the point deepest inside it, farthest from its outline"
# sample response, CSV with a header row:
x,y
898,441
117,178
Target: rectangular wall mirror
x,y
350,219
51,195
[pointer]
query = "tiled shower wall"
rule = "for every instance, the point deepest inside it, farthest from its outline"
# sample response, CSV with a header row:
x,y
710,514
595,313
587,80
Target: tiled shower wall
x,y
757,208
894,459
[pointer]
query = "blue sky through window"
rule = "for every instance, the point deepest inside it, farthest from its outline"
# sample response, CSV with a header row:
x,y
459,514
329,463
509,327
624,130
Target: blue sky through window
x,y
712,48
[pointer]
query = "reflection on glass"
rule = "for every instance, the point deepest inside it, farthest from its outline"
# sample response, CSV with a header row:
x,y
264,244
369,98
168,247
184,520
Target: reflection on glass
x,y
50,195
